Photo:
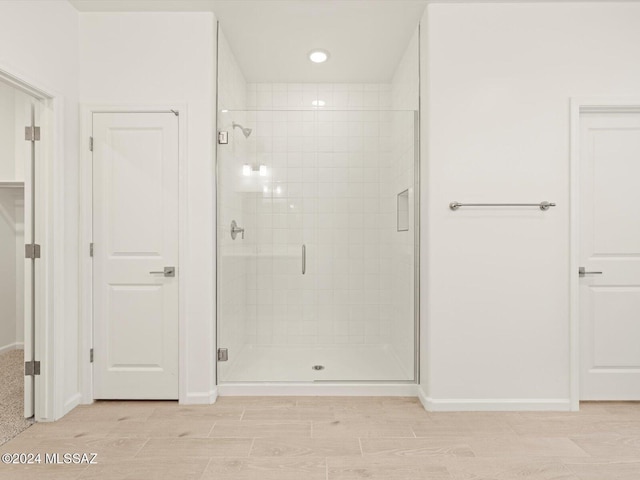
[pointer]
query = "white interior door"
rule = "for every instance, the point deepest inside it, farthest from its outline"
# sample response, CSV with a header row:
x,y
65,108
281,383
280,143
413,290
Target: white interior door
x,y
135,234
610,243
28,112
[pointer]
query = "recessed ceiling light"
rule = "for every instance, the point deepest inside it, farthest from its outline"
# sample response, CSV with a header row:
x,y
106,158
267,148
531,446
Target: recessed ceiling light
x,y
318,103
318,56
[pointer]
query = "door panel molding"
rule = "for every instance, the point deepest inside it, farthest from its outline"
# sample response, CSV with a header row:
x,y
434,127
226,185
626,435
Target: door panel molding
x,y
578,107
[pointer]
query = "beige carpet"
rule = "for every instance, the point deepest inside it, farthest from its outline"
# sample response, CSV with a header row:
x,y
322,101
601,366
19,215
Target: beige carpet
x,y
12,420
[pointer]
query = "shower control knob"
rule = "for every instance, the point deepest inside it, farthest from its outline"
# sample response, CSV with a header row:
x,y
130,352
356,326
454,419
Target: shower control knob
x,y
235,230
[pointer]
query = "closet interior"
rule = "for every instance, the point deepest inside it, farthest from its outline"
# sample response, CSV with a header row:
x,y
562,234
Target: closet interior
x,y
15,107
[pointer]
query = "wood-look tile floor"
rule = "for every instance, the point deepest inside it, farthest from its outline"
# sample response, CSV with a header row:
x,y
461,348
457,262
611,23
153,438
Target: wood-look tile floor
x,y
333,438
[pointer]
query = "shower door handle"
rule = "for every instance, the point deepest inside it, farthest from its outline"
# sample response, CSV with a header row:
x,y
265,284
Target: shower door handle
x,y
304,259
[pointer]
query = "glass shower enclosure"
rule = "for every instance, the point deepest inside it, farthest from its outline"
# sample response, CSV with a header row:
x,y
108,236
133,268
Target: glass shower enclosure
x,y
317,233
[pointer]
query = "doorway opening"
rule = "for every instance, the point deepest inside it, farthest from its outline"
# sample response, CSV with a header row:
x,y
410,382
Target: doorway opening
x,y
605,261
19,135
317,232
133,225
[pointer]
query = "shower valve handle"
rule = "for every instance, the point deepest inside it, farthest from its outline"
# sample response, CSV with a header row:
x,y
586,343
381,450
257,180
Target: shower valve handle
x,y
235,230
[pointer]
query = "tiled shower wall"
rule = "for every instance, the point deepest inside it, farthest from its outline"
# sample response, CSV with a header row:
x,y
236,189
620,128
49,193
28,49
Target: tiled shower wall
x,y
332,184
323,189
336,96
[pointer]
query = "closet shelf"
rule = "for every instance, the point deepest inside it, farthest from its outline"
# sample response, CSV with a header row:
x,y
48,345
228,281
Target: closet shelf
x,y
11,184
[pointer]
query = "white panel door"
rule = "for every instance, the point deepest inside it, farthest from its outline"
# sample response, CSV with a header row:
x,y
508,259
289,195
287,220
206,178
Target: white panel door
x,y
135,233
27,112
610,243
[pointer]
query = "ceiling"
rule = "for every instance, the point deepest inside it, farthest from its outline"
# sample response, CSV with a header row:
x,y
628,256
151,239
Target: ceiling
x,y
366,38
271,39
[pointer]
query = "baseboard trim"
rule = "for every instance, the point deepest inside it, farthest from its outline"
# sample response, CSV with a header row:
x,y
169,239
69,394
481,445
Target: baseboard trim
x,y
496,405
71,403
424,400
318,389
12,346
201,398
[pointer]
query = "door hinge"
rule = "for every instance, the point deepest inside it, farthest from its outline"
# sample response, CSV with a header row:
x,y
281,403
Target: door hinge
x,y
31,368
91,144
91,249
32,250
223,355
32,134
223,138
91,355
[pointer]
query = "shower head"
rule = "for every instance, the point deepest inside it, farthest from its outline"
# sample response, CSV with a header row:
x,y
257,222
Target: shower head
x,y
245,131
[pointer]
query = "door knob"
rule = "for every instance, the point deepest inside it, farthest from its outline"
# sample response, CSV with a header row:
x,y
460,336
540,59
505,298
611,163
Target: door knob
x,y
582,272
167,272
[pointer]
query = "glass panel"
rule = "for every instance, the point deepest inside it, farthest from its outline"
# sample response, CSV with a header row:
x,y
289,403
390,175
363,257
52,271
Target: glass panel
x,y
320,284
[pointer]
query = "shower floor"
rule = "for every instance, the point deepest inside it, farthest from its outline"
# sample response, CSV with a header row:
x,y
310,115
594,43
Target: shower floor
x,y
288,363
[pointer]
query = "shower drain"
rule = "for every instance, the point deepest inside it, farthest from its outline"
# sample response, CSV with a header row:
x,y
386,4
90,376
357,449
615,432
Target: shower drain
x,y
317,367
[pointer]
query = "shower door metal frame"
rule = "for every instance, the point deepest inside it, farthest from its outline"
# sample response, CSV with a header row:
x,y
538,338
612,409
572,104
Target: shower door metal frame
x,y
417,174
416,241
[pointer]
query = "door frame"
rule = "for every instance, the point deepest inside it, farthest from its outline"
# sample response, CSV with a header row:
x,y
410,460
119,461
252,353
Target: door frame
x,y
85,263
49,396
579,106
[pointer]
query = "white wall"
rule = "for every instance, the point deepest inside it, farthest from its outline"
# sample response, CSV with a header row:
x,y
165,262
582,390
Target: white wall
x,y
7,133
164,59
19,265
7,221
497,79
11,330
11,226
13,105
8,280
38,43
